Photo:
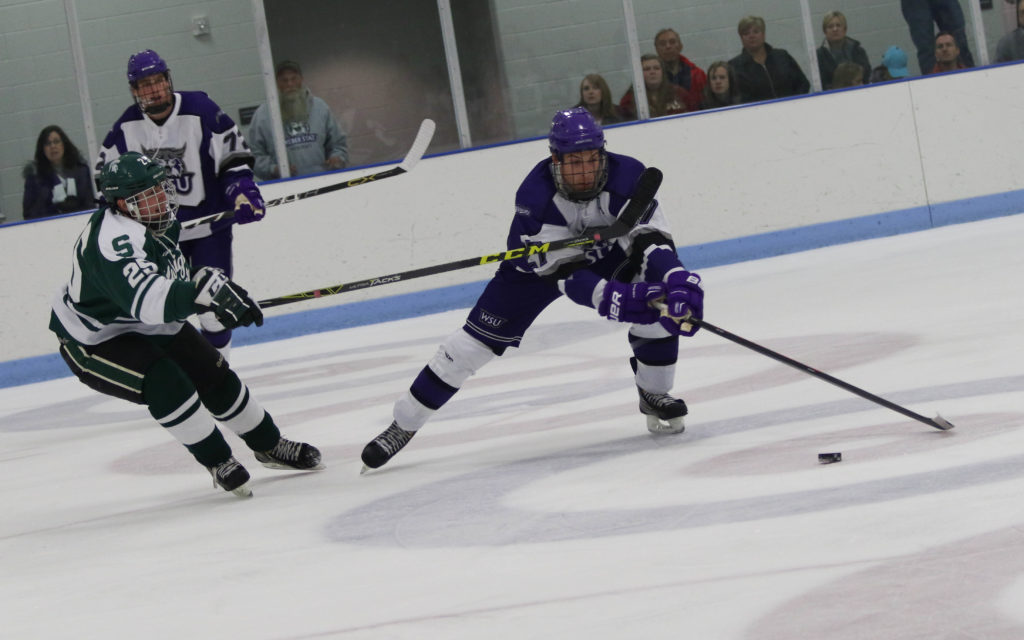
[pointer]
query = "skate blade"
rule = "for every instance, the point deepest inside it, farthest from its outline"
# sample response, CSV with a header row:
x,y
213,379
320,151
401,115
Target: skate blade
x,y
243,491
284,467
670,426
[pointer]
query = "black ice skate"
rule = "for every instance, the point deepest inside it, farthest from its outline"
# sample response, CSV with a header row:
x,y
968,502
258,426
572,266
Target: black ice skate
x,y
664,413
385,446
287,454
231,476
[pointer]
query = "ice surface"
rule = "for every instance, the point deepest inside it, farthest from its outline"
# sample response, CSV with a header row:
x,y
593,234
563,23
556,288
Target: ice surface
x,y
537,505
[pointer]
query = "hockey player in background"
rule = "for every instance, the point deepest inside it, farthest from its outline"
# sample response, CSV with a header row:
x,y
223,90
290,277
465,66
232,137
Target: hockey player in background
x,y
581,186
121,322
205,156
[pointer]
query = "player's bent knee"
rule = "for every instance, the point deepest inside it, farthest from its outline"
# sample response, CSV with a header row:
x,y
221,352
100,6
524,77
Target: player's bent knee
x,y
459,357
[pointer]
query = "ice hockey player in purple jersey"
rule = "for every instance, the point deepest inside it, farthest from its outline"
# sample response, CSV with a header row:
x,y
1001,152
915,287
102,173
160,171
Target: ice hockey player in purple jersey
x,y
205,156
122,324
580,186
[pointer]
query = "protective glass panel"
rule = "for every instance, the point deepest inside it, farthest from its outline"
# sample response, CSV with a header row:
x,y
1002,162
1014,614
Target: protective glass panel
x,y
707,33
880,27
39,90
379,67
544,51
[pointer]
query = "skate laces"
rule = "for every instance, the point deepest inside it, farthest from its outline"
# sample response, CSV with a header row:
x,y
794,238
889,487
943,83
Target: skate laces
x,y
657,400
393,439
223,471
286,450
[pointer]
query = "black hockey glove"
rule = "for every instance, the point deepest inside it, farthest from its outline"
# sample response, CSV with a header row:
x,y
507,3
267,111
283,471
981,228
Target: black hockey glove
x,y
229,302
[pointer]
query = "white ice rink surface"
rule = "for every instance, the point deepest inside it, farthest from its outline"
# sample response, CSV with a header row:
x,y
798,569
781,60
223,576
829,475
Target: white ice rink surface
x,y
536,505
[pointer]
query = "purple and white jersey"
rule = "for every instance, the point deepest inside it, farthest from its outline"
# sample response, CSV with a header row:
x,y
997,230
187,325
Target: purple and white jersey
x,y
200,146
544,215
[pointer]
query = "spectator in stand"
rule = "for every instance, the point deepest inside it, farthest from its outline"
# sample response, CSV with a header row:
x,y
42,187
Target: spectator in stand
x,y
721,89
596,97
893,67
838,48
679,70
1011,46
762,71
947,53
922,16
848,74
58,179
663,97
314,140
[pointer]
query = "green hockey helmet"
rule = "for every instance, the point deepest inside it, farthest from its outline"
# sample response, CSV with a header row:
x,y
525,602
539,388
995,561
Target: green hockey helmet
x,y
149,196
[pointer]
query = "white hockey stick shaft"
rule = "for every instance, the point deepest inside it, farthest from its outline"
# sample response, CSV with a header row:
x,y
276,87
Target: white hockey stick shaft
x,y
415,154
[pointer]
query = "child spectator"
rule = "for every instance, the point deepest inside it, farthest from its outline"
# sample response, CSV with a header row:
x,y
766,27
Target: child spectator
x,y
721,90
596,98
663,97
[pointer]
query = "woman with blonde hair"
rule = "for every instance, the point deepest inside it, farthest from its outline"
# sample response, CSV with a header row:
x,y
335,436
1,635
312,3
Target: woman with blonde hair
x,y
838,48
596,97
663,97
764,72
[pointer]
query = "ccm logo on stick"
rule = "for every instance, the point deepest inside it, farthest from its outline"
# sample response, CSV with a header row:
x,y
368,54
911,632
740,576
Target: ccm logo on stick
x,y
512,254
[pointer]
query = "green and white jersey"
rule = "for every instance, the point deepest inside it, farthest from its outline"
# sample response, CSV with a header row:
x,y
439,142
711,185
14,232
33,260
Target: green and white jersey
x,y
123,280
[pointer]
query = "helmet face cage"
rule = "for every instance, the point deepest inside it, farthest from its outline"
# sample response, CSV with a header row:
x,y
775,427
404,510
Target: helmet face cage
x,y
152,97
155,207
568,173
574,130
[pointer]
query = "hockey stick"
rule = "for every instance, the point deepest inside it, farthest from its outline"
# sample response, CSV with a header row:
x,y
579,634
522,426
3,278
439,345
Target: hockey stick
x,y
938,422
416,151
643,196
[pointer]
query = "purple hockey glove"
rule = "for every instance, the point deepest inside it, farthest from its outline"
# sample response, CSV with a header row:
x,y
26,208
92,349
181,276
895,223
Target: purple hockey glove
x,y
246,199
684,298
630,302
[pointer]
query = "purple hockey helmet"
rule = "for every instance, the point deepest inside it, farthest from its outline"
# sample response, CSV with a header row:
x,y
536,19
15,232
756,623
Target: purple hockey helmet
x,y
145,63
575,130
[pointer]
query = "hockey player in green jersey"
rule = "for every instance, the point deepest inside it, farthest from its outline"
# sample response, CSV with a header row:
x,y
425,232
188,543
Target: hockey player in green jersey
x,y
122,324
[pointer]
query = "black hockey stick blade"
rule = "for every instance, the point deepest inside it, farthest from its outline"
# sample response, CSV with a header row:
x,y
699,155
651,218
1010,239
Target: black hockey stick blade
x,y
643,197
415,154
938,422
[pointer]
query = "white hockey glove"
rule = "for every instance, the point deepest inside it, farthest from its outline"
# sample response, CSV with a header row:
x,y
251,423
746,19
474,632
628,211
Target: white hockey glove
x,y
229,302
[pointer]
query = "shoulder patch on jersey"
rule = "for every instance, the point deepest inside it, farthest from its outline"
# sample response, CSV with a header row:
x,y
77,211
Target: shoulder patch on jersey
x,y
522,210
120,238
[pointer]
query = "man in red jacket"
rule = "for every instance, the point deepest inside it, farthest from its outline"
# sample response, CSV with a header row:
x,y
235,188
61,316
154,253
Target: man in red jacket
x,y
679,70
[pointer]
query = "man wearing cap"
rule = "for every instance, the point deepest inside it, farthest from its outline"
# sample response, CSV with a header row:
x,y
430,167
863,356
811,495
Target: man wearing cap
x,y
314,140
893,67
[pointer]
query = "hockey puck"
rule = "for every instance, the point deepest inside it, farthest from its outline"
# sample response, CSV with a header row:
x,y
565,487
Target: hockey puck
x,y
829,458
